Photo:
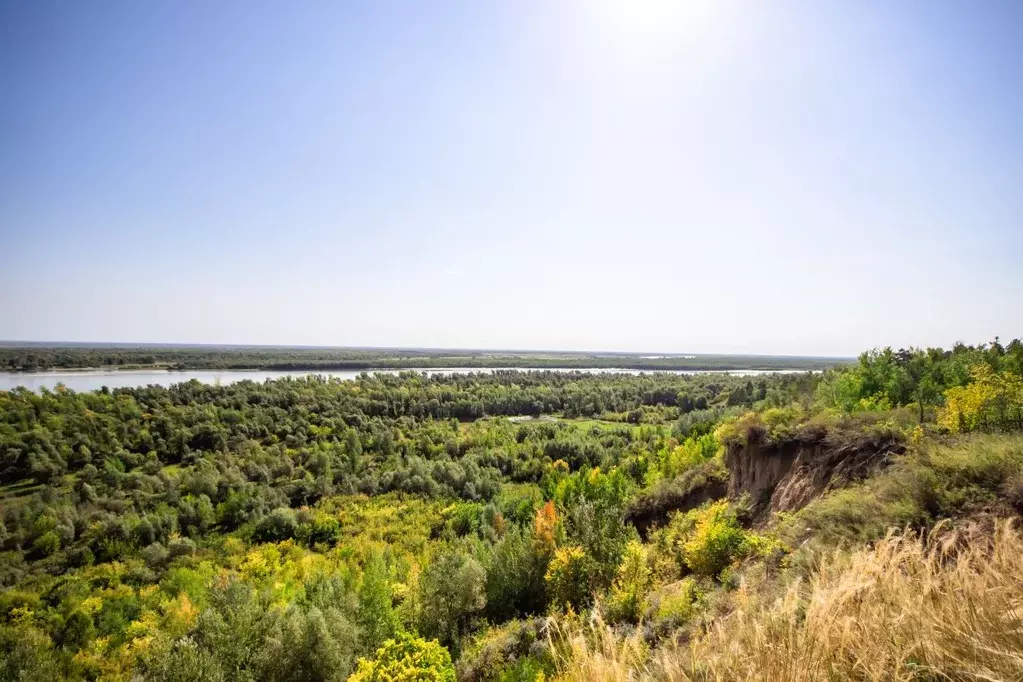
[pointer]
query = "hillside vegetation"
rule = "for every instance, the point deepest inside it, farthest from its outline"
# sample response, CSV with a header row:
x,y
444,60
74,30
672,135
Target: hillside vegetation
x,y
855,524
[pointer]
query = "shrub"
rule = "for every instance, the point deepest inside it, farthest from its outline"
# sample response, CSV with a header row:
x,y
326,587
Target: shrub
x,y
280,524
465,518
181,660
78,629
695,486
514,651
568,577
155,555
672,605
704,541
407,658
716,540
304,645
748,429
180,547
678,604
322,529
46,544
515,568
633,581
594,504
991,401
81,556
11,599
526,669
376,616
27,653
702,421
780,422
692,452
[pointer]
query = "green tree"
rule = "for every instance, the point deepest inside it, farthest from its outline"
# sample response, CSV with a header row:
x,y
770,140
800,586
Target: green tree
x,y
376,615
452,592
280,524
515,576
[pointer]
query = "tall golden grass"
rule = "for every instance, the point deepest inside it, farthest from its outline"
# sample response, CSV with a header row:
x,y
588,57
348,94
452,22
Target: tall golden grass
x,y
945,606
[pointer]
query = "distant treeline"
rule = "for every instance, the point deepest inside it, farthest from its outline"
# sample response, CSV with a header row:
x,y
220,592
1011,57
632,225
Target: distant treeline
x,y
38,357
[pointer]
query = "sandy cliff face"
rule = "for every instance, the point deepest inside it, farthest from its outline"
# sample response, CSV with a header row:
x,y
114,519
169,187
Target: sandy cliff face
x,y
786,476
776,476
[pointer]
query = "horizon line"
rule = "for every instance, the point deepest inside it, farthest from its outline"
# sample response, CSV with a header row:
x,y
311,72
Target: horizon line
x,y
12,343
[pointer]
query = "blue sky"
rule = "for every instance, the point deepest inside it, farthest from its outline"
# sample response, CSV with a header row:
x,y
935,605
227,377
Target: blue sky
x,y
775,177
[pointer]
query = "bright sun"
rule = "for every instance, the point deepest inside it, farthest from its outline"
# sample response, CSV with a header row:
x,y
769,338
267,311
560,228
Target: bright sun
x,y
652,24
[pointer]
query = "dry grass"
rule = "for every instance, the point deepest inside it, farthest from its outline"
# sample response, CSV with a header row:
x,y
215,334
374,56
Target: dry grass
x,y
592,650
948,606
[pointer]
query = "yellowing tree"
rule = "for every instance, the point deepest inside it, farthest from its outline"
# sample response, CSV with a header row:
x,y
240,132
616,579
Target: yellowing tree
x,y
407,658
992,400
545,528
568,577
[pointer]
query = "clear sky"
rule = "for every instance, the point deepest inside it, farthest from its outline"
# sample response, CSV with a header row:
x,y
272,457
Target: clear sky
x,y
773,176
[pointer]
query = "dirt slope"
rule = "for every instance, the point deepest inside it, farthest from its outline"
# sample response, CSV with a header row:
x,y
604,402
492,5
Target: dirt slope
x,y
786,476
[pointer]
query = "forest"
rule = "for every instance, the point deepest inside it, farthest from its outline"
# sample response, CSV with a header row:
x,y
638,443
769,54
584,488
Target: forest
x,y
37,357
855,523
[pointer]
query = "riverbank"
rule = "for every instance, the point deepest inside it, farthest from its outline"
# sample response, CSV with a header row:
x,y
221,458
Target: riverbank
x,y
57,358
81,380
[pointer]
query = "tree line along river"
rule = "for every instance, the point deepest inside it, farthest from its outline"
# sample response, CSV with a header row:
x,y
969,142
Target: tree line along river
x,y
95,379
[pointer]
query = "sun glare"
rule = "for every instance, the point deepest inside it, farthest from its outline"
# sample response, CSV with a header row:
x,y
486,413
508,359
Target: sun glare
x,y
653,24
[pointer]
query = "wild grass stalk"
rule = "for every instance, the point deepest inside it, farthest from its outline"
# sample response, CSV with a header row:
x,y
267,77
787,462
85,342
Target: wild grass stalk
x,y
947,605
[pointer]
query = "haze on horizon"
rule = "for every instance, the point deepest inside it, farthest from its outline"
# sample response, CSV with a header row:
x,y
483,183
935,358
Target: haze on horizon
x,y
677,177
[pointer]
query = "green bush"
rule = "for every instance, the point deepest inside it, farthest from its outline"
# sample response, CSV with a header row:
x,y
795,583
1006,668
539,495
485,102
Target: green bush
x,y
27,654
699,484
704,541
513,652
321,529
46,544
376,616
674,604
78,629
525,669
280,524
625,600
465,518
515,568
407,658
715,541
568,577
748,429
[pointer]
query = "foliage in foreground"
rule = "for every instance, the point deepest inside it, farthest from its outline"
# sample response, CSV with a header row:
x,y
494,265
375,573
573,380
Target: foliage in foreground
x,y
946,605
407,658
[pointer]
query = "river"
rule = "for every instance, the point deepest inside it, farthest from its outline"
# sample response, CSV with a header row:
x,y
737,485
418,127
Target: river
x,y
95,379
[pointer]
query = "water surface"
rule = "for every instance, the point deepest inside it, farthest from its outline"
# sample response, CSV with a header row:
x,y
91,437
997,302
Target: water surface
x,y
95,379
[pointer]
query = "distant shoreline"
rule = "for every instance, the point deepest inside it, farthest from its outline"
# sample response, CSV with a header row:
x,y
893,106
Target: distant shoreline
x,y
65,358
415,367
